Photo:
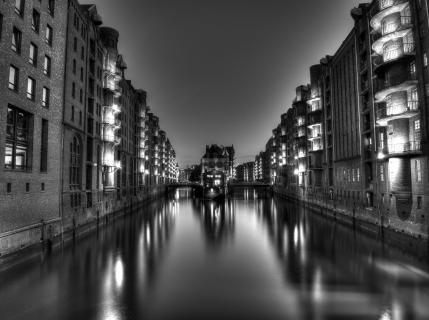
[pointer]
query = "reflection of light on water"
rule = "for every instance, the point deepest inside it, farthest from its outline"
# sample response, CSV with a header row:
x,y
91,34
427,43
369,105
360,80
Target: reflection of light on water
x,y
394,313
317,286
119,273
148,235
177,195
286,239
386,315
295,236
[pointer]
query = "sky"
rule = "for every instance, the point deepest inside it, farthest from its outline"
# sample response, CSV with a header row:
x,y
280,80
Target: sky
x,y
223,71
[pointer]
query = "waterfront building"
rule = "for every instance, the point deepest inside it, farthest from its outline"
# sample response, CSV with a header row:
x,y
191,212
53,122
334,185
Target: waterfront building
x,y
79,141
219,158
356,136
32,45
245,172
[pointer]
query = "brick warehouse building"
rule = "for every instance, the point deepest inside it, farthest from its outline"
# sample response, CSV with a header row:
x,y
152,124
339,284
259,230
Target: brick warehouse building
x,y
366,118
66,90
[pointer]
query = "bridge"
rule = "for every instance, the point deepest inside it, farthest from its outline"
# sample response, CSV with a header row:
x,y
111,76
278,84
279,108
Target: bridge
x,y
259,186
197,188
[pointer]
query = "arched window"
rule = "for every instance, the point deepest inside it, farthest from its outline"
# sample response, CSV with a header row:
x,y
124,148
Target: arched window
x,y
75,160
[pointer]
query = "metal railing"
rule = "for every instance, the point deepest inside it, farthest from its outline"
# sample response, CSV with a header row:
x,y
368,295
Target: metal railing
x,y
405,147
397,109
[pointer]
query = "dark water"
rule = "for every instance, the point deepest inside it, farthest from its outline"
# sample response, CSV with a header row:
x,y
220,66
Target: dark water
x,y
243,259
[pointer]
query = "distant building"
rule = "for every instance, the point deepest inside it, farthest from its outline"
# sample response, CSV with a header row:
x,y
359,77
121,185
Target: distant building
x,y
219,158
245,172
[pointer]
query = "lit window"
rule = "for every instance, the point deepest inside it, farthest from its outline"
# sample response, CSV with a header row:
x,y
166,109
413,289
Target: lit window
x,y
19,7
46,97
31,87
13,78
425,59
49,35
32,58
418,168
17,139
47,66
381,173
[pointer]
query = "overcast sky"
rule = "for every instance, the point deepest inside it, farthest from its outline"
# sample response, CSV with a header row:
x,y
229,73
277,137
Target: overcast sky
x,y
223,71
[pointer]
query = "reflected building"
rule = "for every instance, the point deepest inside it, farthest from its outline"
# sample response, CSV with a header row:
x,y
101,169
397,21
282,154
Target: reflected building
x,y
218,222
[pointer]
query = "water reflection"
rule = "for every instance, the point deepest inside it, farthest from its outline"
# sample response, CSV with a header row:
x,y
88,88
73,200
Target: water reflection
x,y
249,257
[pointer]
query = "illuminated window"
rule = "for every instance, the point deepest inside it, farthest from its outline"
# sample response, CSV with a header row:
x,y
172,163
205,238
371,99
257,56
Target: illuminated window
x,y
425,59
417,132
49,35
381,173
17,139
31,88
19,7
13,78
47,66
46,97
32,58
418,168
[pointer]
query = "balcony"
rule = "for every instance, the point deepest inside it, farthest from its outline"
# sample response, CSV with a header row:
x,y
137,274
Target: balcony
x,y
315,106
399,111
112,138
404,148
402,82
387,8
316,147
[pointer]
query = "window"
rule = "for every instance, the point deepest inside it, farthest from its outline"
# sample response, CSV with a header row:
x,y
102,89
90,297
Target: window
x,y
1,25
16,40
32,58
417,132
13,78
27,187
381,173
47,66
418,168
49,34
19,7
51,7
45,97
31,88
17,139
35,21
82,53
425,59
75,154
80,117
44,146
42,186
72,113
81,74
9,187
74,66
75,44
419,202
73,90
80,96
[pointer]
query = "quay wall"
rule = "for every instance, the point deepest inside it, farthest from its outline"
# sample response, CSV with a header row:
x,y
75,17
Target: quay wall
x,y
372,221
48,233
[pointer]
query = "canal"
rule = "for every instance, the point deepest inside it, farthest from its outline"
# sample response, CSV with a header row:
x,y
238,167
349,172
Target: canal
x,y
245,258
